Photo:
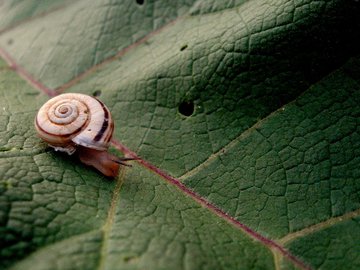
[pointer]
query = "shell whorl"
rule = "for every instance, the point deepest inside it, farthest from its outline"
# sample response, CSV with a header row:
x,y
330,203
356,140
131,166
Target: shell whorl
x,y
70,119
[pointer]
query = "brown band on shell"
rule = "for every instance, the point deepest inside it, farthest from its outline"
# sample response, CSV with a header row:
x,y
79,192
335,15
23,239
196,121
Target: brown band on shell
x,y
109,135
105,123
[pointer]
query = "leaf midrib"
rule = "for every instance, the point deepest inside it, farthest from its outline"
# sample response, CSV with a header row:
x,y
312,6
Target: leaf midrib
x,y
272,245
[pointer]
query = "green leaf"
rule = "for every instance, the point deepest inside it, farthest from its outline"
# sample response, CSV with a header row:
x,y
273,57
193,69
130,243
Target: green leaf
x,y
245,115
18,11
82,34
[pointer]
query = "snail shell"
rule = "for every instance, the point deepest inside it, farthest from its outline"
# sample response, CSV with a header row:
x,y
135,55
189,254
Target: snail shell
x,y
68,120
81,123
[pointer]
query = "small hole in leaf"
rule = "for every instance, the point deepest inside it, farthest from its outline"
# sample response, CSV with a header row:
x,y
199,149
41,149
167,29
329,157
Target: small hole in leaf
x,y
140,2
97,93
129,258
186,108
183,47
10,41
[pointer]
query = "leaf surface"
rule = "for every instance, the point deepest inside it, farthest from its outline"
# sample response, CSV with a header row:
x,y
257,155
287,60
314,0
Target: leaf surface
x,y
245,115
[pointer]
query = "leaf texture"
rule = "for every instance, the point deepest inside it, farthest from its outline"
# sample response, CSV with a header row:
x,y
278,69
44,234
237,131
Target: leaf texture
x,y
244,116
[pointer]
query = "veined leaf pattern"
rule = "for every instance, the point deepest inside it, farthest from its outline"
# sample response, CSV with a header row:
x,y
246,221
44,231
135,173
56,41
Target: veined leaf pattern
x,y
262,173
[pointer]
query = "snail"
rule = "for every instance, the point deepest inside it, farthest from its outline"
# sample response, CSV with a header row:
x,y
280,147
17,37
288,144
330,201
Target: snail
x,y
83,124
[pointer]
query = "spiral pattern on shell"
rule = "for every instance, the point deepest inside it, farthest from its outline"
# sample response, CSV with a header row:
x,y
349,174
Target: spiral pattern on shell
x,y
68,120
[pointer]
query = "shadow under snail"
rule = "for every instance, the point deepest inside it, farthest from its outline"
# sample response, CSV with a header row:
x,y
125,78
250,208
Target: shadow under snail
x,y
83,124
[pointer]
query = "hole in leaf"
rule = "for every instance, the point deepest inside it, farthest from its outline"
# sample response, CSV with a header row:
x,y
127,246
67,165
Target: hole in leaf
x,y
140,2
130,259
183,47
97,93
10,41
186,108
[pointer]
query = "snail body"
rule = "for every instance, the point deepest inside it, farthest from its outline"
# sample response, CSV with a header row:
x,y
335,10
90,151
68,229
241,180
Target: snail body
x,y
79,123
